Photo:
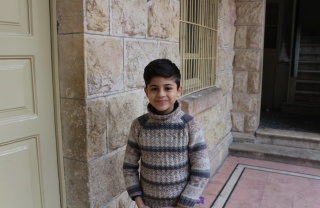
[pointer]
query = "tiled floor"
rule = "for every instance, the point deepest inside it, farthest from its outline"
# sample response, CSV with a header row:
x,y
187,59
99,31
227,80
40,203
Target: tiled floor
x,y
248,183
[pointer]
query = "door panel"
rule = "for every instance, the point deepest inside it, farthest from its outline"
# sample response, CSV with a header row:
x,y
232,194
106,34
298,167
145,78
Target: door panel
x,y
28,155
20,174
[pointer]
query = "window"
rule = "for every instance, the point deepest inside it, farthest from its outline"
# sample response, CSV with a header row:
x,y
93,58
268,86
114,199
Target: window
x,y
198,39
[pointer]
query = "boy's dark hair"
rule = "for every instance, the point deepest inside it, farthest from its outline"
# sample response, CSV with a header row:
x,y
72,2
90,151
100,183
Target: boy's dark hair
x,y
161,68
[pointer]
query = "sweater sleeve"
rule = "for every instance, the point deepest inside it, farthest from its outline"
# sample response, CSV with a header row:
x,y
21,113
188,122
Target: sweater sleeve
x,y
199,166
131,162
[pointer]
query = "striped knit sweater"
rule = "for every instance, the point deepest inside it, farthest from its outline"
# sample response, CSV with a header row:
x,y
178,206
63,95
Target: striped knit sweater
x,y
174,164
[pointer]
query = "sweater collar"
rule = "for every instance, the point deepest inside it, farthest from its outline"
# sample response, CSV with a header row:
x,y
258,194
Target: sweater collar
x,y
176,112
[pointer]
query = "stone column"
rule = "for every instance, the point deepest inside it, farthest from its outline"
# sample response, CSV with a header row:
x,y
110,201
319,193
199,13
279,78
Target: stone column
x,y
247,66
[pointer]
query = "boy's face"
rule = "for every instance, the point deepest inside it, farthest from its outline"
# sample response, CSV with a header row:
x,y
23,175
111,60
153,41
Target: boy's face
x,y
162,94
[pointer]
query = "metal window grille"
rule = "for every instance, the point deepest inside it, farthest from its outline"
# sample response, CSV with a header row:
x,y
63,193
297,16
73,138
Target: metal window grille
x,y
198,39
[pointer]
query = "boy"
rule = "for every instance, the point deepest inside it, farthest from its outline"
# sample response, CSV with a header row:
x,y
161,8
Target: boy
x,y
174,163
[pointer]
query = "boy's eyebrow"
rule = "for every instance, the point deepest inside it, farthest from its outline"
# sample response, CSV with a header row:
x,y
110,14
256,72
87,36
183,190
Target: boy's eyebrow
x,y
153,85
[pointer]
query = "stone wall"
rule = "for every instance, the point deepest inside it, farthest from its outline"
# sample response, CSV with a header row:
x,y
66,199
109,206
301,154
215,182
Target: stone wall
x,y
104,46
248,65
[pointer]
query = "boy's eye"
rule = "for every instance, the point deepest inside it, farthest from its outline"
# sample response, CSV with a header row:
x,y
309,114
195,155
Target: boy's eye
x,y
168,88
153,89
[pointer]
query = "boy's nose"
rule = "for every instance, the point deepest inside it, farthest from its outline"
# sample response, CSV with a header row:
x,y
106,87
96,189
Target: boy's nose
x,y
161,93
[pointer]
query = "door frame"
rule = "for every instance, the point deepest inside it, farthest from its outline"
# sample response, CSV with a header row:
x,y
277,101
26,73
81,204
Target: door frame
x,y
56,94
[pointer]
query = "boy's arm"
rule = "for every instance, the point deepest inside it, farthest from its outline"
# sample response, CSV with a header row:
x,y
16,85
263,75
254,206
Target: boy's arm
x,y
131,163
199,166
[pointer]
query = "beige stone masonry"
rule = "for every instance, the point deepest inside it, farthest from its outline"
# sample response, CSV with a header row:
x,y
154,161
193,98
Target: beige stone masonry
x,y
170,51
70,16
122,110
250,13
247,103
84,128
240,81
224,81
247,60
237,122
97,16
163,19
104,68
73,120
71,66
241,37
195,103
138,53
96,120
122,201
129,18
251,122
254,81
106,178
77,183
88,183
255,40
248,64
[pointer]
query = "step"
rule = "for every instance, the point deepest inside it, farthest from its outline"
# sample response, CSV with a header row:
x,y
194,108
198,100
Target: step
x,y
310,48
310,97
307,85
280,137
291,155
301,108
310,40
309,57
308,75
309,65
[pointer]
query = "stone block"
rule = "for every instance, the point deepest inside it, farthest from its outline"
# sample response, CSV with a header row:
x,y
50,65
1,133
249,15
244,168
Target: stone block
x,y
106,178
245,103
237,122
222,62
219,153
250,13
138,53
251,123
73,120
247,60
120,118
255,35
104,68
170,50
77,183
96,127
254,82
240,81
129,18
71,66
70,16
224,81
229,102
227,11
97,16
226,33
241,37
163,19
203,100
122,201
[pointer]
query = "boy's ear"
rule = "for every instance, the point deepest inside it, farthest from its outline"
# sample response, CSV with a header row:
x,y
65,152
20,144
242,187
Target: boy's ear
x,y
146,91
179,91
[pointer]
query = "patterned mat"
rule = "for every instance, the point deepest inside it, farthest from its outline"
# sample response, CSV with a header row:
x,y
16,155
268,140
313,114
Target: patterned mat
x,y
278,120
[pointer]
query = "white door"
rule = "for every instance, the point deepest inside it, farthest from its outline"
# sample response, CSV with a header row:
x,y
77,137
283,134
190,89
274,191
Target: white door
x,y
28,155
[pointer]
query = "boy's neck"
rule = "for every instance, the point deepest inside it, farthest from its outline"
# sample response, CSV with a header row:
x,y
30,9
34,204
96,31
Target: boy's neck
x,y
153,109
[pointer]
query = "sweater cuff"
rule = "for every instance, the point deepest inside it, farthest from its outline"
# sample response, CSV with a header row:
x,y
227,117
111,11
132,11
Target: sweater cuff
x,y
186,202
134,197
